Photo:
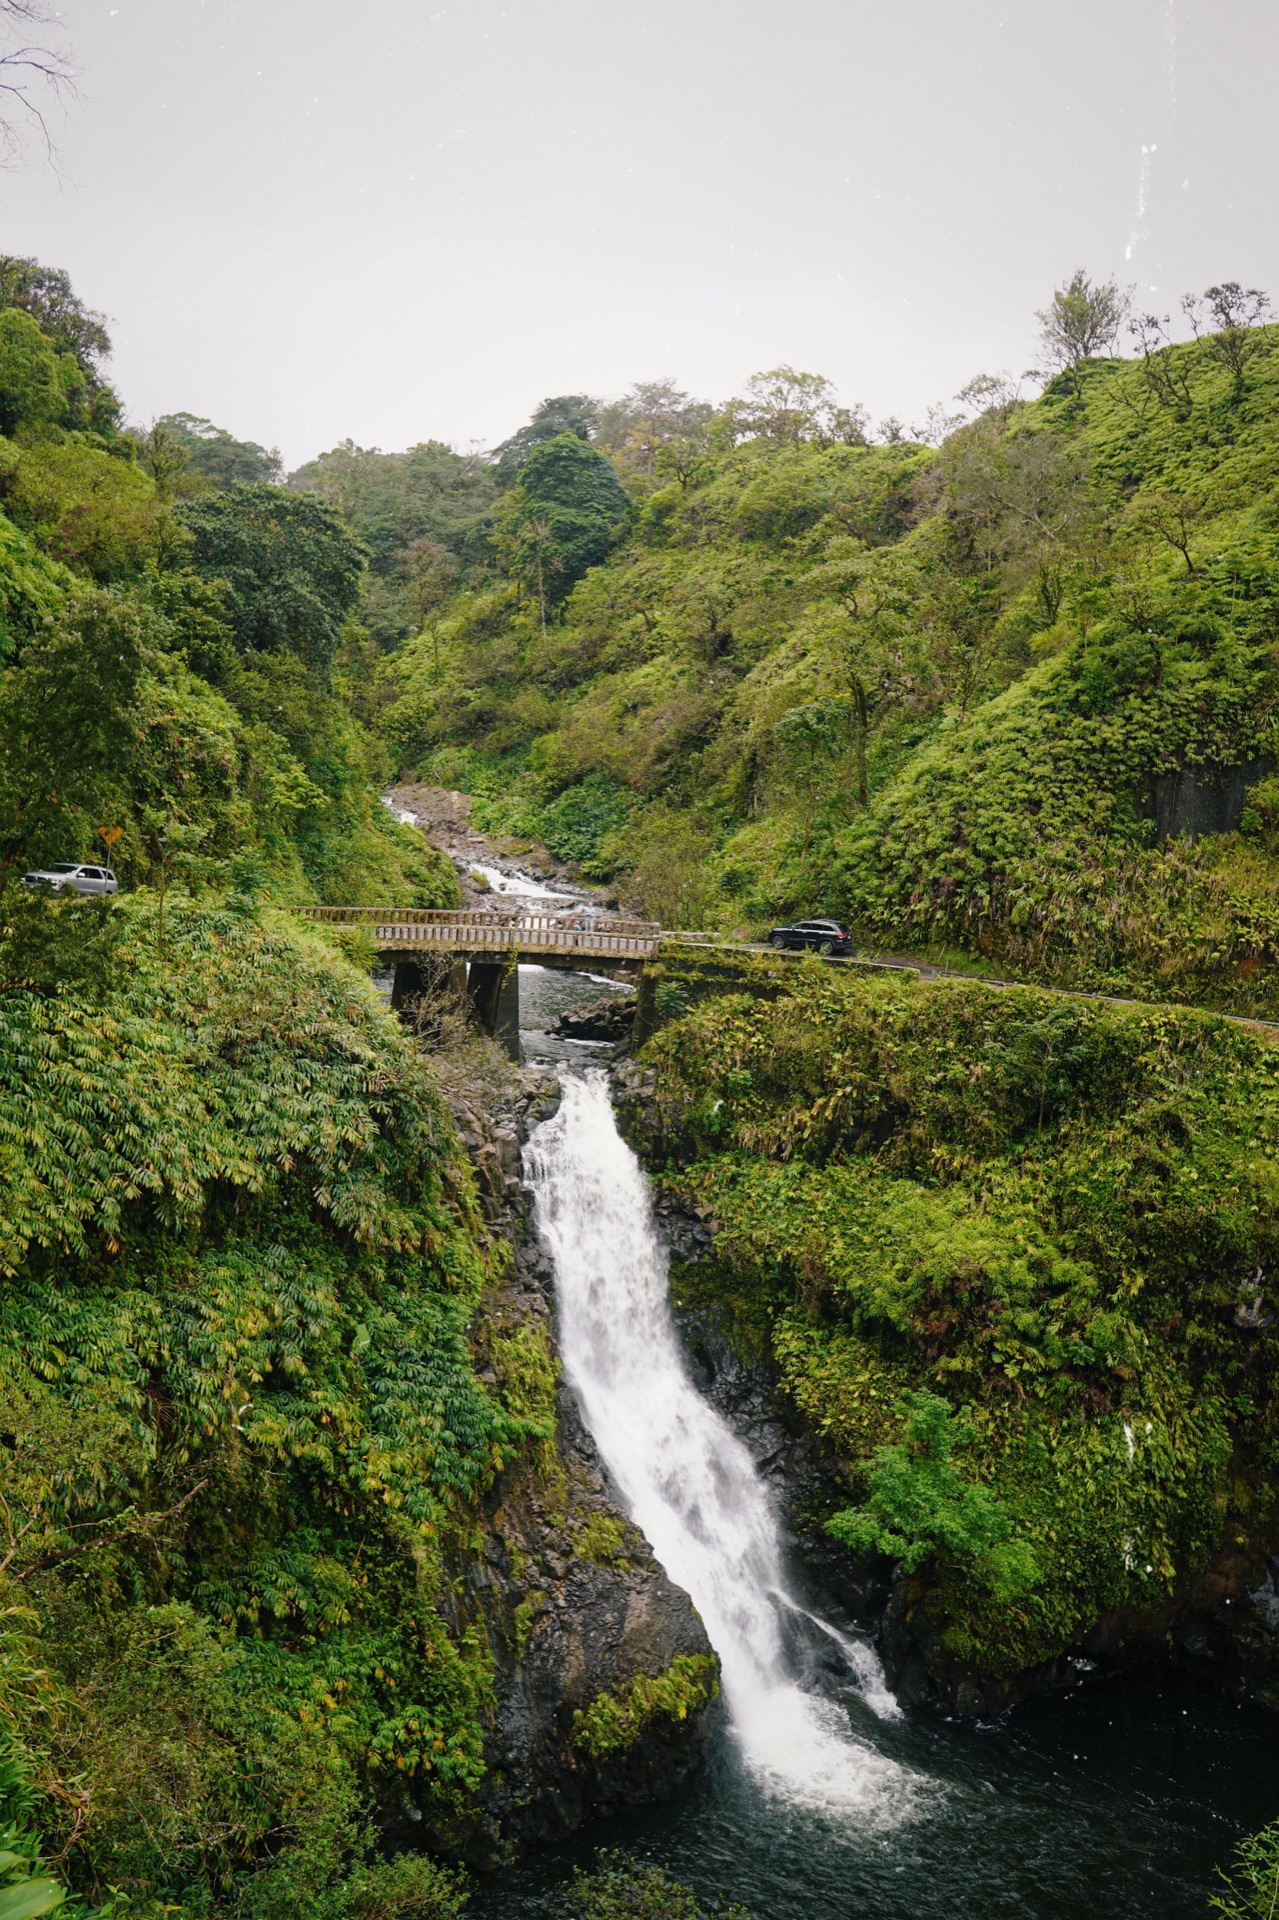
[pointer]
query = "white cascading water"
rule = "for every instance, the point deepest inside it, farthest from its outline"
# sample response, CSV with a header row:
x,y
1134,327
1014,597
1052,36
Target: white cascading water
x,y
686,1480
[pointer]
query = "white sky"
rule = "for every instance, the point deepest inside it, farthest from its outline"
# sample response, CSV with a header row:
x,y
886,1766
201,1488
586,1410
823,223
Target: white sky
x,y
398,219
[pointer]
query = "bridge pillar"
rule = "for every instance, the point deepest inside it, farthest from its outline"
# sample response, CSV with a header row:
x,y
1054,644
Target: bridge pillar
x,y
422,987
493,988
407,984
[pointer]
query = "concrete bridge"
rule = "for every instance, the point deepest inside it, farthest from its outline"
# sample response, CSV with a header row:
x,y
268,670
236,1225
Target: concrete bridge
x,y
436,954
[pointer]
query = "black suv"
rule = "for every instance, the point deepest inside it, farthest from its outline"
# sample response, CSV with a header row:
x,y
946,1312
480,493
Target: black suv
x,y
823,936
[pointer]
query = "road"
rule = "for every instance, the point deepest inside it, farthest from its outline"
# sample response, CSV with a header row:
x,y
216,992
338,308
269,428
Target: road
x,y
927,970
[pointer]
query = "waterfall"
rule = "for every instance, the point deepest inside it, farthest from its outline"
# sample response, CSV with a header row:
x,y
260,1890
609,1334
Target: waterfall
x,y
685,1478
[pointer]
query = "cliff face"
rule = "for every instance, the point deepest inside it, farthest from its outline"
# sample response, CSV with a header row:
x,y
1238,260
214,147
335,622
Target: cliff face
x,y
603,1680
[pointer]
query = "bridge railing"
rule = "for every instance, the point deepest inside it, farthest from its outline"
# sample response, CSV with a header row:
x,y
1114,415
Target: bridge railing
x,y
497,931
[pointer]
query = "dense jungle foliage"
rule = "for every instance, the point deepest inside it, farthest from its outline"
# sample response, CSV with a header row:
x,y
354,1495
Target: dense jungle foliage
x,y
241,1422
1009,695
178,644
1013,1256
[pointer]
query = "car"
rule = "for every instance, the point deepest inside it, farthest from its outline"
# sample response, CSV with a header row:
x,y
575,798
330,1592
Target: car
x,y
821,936
79,876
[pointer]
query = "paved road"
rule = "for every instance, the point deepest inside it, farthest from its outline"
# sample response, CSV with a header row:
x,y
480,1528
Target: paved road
x,y
926,970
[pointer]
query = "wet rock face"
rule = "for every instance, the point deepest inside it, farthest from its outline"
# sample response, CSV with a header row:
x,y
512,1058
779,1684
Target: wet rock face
x,y
562,1588
802,1475
576,1607
611,1017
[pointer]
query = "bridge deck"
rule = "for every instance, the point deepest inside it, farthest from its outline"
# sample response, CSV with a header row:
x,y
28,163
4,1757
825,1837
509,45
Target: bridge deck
x,y
475,934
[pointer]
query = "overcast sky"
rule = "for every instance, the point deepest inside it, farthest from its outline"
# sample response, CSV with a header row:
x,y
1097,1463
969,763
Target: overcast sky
x,y
398,219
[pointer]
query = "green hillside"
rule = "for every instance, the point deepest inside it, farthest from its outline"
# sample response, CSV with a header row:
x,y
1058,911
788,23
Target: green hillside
x,y
940,690
179,653
1004,693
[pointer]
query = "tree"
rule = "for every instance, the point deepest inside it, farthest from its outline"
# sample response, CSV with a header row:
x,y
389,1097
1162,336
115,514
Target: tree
x,y
789,407
566,413
32,393
161,454
47,295
1172,517
562,518
291,569
656,426
432,574
1082,320
1166,374
215,457
97,513
75,331
1234,313
69,720
393,501
809,741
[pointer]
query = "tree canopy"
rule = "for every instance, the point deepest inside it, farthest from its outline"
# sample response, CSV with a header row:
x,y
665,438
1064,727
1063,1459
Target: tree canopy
x,y
563,516
290,566
215,456
573,413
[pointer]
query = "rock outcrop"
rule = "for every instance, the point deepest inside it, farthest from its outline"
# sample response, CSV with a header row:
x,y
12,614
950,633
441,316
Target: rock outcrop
x,y
611,1017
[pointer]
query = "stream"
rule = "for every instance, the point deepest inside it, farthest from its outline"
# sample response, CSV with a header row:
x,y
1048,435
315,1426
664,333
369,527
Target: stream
x,y
820,1799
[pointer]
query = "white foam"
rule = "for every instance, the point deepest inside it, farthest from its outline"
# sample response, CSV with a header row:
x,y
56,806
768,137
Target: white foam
x,y
518,885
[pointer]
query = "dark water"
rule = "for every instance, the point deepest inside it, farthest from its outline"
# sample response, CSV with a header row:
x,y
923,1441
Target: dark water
x,y
546,993
1116,1803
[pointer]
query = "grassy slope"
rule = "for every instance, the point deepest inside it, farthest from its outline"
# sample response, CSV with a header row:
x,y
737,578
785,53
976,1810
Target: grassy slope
x,y
1024,832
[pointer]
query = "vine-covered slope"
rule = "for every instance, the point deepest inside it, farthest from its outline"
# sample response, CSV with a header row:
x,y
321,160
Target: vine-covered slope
x,y
1055,1218
241,1420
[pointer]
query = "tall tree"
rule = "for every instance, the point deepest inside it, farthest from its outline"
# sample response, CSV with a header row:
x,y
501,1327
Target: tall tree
x,y
1234,313
75,332
216,457
69,720
33,393
789,407
573,413
562,518
655,427
291,569
47,295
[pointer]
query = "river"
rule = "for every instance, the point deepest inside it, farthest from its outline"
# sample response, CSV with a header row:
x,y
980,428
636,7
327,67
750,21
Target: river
x,y
820,1798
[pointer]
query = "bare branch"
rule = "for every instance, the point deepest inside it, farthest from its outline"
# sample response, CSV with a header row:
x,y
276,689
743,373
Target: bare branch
x,y
33,78
134,1527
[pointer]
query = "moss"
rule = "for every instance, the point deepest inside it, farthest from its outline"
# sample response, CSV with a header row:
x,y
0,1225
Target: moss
x,y
617,1720
527,1614
603,1539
